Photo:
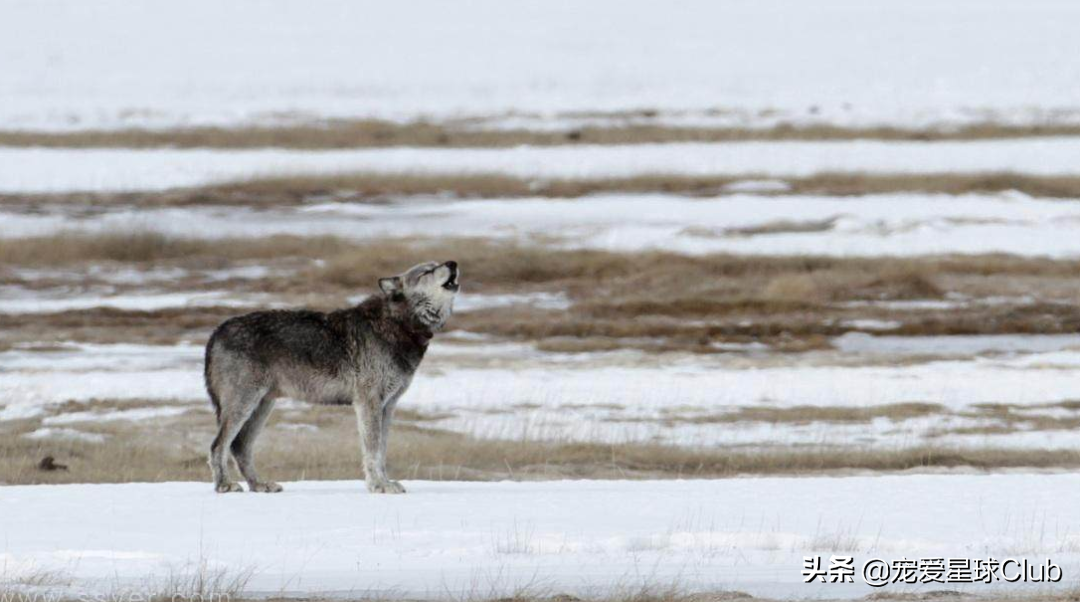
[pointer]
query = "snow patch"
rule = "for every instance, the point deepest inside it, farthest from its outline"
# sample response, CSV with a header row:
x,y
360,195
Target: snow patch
x,y
133,415
876,225
868,324
757,186
37,302
963,345
540,300
65,434
40,170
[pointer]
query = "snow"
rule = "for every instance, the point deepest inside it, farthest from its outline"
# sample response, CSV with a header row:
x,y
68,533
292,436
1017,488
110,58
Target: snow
x,y
26,395
509,390
956,345
67,65
955,383
88,357
65,434
35,380
36,302
64,170
539,300
757,186
877,225
662,403
117,276
775,60
134,415
873,324
477,302
448,539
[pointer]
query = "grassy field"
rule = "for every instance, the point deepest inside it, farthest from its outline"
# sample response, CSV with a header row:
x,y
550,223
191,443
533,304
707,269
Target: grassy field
x,y
647,300
272,191
635,129
653,302
320,443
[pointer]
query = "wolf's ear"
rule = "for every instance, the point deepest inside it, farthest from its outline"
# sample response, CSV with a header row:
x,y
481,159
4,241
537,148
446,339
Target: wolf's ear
x,y
390,286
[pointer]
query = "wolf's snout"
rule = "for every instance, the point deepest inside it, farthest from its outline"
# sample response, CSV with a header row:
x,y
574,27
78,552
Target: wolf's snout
x,y
451,283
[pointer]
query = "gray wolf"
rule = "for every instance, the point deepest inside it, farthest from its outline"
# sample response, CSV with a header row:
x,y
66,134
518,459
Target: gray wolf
x,y
364,356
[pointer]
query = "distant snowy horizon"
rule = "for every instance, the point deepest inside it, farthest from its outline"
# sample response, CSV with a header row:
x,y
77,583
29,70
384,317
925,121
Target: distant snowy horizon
x,y
836,61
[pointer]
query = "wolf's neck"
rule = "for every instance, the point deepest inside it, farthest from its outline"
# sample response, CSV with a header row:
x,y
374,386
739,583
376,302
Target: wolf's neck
x,y
404,333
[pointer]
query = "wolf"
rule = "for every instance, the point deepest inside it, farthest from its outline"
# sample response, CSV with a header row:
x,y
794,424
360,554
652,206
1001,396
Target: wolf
x,y
364,356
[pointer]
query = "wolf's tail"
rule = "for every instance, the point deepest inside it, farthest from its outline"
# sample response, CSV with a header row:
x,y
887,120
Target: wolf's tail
x,y
207,371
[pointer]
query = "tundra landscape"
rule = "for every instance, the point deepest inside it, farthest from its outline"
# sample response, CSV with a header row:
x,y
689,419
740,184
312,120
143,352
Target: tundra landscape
x,y
742,283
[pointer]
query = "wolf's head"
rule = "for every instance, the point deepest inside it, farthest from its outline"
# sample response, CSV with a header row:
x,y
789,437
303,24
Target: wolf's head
x,y
425,291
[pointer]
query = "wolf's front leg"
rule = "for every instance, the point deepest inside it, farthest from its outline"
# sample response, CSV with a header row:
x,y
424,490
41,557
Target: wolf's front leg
x,y
369,420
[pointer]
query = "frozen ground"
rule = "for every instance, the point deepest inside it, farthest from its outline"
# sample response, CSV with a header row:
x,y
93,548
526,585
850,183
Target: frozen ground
x,y
507,390
59,170
449,539
868,62
879,225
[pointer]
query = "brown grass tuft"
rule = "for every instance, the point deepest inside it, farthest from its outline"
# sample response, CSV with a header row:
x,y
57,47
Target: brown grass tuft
x,y
794,286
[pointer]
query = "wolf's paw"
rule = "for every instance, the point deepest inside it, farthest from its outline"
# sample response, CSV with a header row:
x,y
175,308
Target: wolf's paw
x,y
386,487
267,487
228,487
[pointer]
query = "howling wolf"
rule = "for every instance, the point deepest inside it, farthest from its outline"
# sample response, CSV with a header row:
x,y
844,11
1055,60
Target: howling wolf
x,y
364,356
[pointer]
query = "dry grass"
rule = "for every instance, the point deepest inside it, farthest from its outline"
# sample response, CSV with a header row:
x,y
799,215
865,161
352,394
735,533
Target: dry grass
x,y
191,582
1010,418
993,419
780,227
649,300
380,134
378,187
808,414
786,327
508,263
75,248
106,325
175,449
362,185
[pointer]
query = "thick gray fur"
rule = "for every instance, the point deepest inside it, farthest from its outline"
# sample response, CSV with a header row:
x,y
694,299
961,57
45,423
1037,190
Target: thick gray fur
x,y
364,356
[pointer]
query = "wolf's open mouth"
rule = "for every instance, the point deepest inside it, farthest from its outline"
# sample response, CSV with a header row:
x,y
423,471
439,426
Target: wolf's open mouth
x,y
451,284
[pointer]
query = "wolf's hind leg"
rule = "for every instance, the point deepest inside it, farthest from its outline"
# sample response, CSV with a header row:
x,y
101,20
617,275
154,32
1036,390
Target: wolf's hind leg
x,y
235,411
243,448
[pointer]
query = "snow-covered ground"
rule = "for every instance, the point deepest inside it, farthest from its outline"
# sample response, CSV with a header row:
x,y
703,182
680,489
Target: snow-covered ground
x,y
449,539
889,224
61,169
18,301
110,277
69,64
506,390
